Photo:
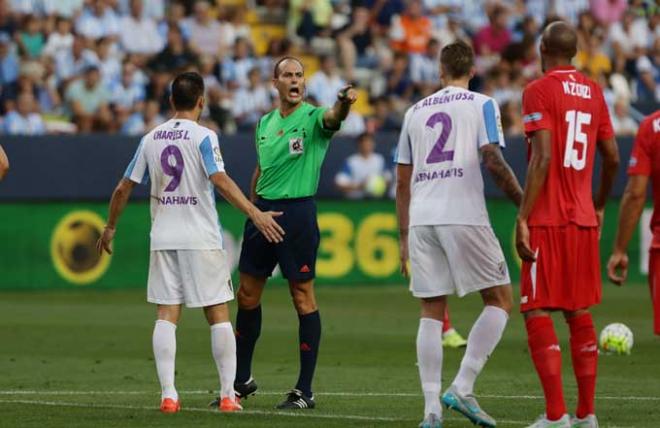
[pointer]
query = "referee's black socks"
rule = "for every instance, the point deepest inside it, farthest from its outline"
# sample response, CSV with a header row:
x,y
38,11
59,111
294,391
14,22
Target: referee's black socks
x,y
309,334
248,329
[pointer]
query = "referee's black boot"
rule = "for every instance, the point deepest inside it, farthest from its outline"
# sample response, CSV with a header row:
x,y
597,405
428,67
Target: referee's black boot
x,y
244,390
295,399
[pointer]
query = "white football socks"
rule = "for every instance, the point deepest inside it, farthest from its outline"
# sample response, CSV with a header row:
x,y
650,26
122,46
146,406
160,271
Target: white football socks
x,y
223,345
429,360
164,344
484,336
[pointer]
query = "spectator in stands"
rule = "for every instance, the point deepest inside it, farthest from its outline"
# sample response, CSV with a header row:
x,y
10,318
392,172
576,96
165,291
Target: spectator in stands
x,y
109,64
127,94
451,32
493,38
9,65
235,69
355,42
98,20
143,121
206,34
253,101
383,118
569,10
31,39
439,11
30,81
71,63
399,86
629,39
138,33
309,18
176,17
24,120
235,26
382,13
607,12
59,41
88,102
622,123
424,70
648,76
326,82
585,29
359,168
411,32
511,120
64,8
176,55
152,9
593,60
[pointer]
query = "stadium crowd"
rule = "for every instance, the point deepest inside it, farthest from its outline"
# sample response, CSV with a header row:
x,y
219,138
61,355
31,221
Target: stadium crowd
x,y
71,66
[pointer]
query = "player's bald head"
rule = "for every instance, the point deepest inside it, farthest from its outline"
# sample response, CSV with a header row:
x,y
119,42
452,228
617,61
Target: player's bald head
x,y
559,40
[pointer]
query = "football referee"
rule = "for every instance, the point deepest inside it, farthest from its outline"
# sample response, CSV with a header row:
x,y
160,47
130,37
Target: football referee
x,y
291,143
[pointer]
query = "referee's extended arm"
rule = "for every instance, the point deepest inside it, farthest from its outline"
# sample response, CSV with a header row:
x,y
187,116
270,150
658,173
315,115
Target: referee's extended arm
x,y
333,117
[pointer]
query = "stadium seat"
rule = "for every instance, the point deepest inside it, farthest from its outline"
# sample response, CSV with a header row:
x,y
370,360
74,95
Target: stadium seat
x,y
262,34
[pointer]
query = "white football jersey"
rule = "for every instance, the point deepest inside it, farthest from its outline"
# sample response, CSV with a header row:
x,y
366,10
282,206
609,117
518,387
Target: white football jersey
x,y
441,137
178,157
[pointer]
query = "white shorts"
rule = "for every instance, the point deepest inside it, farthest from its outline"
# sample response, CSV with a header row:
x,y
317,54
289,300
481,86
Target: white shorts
x,y
455,259
197,278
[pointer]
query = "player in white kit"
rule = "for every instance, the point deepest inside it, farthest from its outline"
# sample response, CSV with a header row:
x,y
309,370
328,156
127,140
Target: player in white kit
x,y
188,263
444,226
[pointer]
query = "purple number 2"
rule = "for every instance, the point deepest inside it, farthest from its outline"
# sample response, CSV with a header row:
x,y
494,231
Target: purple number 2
x,y
438,153
175,171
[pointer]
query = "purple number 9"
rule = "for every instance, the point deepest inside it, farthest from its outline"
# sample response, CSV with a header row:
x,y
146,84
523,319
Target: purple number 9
x,y
438,153
174,170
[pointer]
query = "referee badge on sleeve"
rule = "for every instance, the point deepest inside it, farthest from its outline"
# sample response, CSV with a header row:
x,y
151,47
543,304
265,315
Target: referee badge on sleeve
x,y
296,146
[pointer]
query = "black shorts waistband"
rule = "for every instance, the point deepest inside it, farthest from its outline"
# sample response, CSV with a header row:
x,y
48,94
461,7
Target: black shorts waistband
x,y
287,201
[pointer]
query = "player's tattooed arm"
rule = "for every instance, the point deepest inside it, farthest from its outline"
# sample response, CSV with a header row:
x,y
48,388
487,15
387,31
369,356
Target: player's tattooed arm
x,y
537,172
632,205
403,177
501,172
4,164
334,116
117,204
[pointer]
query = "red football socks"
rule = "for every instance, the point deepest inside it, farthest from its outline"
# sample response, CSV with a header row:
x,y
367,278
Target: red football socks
x,y
546,354
584,351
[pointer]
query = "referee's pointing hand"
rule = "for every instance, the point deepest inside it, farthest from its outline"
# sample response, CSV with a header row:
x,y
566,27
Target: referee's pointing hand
x,y
347,95
265,222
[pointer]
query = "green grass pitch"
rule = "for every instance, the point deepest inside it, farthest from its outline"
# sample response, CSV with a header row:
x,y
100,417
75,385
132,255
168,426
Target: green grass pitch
x,y
83,359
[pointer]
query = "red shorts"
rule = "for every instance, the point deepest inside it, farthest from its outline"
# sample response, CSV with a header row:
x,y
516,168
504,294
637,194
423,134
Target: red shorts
x,y
654,286
566,274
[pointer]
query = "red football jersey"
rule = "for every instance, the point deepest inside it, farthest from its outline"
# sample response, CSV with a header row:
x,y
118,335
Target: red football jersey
x,y
645,160
571,106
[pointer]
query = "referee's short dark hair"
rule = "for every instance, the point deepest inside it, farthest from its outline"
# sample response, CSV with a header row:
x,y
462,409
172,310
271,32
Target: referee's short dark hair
x,y
276,69
457,59
186,90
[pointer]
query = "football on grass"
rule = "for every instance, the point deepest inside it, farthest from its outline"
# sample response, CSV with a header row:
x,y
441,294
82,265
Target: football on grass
x,y
616,338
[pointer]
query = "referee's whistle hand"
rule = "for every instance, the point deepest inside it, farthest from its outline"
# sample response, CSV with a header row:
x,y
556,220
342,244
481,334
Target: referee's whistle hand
x,y
265,222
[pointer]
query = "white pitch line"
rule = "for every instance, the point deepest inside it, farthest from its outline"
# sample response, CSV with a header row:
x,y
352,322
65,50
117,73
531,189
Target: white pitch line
x,y
328,394
313,415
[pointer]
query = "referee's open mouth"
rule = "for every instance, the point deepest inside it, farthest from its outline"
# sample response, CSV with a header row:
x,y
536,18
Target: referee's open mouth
x,y
294,92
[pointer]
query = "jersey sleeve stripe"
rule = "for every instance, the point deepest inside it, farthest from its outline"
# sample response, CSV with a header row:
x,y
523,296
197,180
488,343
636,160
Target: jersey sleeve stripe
x,y
207,156
490,120
131,166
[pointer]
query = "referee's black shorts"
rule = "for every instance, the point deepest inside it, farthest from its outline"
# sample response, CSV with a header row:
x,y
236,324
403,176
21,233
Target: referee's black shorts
x,y
296,255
